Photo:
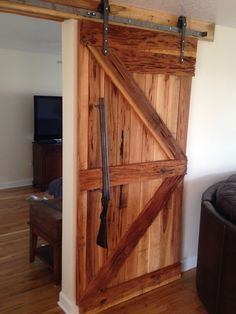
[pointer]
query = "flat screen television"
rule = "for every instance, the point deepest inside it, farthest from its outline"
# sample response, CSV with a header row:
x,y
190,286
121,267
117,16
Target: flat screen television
x,y
47,118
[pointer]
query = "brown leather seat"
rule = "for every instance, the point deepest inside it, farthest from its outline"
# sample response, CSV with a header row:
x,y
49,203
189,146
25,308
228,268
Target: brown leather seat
x,y
216,266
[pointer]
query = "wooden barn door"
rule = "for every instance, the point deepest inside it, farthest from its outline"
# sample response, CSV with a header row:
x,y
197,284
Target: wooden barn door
x,y
147,93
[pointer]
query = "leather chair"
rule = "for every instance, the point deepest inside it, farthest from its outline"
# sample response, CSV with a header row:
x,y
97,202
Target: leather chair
x,y
216,265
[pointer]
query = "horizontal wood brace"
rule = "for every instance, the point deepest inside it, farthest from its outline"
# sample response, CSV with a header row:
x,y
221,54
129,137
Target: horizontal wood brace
x,y
71,9
91,179
132,288
143,51
159,62
137,40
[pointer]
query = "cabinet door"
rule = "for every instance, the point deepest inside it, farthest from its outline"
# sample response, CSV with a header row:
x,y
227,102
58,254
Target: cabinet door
x,y
47,164
53,163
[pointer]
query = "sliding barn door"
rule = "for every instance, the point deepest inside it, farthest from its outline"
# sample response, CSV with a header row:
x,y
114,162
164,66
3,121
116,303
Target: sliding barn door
x,y
147,93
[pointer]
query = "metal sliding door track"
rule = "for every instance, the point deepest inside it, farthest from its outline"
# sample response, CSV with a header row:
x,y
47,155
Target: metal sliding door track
x,y
112,18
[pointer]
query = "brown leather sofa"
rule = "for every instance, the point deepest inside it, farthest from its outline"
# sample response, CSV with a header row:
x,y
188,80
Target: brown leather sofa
x,y
216,266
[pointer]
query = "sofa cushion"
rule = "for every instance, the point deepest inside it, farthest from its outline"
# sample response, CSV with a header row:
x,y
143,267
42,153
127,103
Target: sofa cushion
x,y
226,200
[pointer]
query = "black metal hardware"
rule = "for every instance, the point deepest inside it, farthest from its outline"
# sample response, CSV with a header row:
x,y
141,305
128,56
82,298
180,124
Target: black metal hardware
x,y
105,11
112,18
182,25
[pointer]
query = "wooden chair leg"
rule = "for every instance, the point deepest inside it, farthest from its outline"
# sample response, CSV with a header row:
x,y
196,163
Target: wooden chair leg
x,y
57,264
33,245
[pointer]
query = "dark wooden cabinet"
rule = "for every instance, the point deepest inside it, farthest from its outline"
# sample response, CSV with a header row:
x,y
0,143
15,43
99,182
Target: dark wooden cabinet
x,y
47,164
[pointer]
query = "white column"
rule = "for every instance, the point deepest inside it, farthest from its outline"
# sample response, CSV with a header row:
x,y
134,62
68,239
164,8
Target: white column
x,y
67,300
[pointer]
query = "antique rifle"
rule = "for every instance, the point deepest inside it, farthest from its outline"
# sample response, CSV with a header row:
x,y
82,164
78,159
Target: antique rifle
x,y
102,233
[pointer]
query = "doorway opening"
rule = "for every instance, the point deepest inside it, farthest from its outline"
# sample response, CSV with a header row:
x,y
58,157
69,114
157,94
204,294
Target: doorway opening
x,y
31,71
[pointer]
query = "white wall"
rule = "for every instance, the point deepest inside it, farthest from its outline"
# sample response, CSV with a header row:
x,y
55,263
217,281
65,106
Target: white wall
x,y
22,75
211,146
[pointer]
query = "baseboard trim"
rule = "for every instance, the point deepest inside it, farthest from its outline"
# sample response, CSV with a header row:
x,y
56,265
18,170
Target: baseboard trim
x,y
16,184
67,305
188,263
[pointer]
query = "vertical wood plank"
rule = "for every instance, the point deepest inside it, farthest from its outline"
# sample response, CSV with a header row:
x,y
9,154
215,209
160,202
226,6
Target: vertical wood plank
x,y
148,144
95,255
123,157
183,112
155,91
181,137
134,190
94,159
94,155
173,103
100,253
83,108
167,216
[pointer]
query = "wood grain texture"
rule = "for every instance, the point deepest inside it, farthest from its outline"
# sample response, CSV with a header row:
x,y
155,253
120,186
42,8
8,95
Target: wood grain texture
x,y
181,137
36,15
162,18
167,221
131,143
142,14
183,112
131,238
179,297
130,266
140,104
119,175
83,4
132,288
34,11
139,40
82,197
146,193
95,256
156,63
149,244
143,124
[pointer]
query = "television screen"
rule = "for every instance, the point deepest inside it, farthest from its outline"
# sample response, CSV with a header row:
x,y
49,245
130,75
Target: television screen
x,y
47,118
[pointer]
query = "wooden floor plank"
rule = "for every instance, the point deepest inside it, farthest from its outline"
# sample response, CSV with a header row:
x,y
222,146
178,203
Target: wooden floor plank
x,y
179,297
28,288
24,288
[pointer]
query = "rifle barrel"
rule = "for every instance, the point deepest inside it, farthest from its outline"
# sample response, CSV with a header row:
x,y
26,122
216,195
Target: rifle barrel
x,y
102,234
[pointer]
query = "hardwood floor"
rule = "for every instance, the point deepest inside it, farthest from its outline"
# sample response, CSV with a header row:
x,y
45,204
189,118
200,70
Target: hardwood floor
x,y
24,288
28,288
179,297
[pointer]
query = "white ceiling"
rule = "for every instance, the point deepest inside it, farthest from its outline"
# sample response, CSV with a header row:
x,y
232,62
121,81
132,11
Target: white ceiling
x,y
222,12
35,35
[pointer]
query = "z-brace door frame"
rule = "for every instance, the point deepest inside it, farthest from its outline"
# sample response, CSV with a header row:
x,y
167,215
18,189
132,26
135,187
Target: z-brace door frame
x,y
172,171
